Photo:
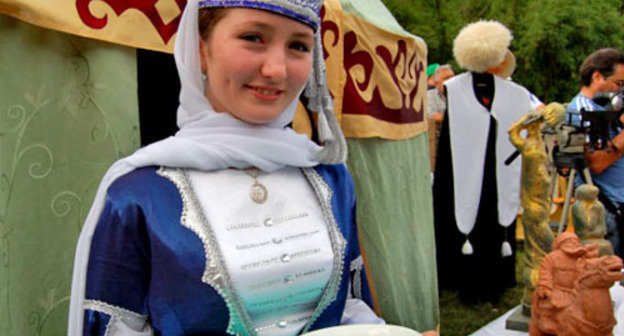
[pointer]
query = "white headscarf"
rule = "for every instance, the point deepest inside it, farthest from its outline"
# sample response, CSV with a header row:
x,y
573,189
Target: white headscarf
x,y
207,140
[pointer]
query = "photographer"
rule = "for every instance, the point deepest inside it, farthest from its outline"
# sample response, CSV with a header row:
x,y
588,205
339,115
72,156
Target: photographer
x,y
603,71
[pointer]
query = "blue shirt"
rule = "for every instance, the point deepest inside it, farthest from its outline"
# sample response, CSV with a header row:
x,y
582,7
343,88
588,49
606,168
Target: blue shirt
x,y
611,180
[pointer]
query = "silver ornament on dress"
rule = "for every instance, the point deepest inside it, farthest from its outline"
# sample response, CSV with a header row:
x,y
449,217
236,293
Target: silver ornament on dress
x,y
258,192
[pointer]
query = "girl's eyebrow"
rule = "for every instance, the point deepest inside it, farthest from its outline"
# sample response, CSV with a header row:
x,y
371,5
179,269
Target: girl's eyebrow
x,y
265,26
303,35
258,24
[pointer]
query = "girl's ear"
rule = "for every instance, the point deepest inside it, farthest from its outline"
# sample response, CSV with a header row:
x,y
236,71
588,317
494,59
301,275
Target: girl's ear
x,y
203,53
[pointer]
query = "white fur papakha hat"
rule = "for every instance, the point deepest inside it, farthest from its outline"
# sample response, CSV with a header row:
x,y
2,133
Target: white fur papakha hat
x,y
483,46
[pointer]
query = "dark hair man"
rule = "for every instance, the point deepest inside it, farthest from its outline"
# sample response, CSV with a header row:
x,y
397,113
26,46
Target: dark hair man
x,y
603,71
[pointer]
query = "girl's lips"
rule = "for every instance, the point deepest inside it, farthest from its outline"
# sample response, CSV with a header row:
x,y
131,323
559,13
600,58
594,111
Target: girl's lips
x,y
270,94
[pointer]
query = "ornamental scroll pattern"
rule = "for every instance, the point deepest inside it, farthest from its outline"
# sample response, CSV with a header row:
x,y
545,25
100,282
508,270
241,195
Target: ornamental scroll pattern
x,y
147,7
405,71
57,137
38,160
383,75
327,27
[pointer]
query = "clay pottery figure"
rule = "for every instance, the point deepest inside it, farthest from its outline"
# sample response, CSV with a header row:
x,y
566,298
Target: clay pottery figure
x,y
572,296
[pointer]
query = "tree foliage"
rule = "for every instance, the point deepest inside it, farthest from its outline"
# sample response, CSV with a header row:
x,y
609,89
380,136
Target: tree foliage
x,y
552,37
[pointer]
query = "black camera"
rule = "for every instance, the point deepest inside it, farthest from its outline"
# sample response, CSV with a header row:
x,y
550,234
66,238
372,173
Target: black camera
x,y
589,130
599,124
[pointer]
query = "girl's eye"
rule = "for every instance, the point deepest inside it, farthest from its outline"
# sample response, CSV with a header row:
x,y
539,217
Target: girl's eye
x,y
300,46
251,38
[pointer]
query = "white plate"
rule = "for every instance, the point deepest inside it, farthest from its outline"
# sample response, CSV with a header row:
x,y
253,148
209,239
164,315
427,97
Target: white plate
x,y
364,330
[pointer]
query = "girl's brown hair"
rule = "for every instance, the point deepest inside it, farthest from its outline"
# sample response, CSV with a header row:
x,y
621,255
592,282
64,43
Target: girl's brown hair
x,y
208,19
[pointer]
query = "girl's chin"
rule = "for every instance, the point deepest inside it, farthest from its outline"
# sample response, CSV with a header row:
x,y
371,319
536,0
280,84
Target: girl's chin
x,y
258,120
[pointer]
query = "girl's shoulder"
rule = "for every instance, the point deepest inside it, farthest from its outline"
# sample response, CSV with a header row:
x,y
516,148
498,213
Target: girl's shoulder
x,y
338,173
338,178
139,183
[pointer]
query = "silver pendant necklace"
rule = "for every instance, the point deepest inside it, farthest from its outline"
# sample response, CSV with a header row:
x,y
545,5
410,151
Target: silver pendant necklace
x,y
258,192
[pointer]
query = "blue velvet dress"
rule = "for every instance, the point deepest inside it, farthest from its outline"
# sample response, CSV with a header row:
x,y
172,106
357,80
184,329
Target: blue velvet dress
x,y
149,268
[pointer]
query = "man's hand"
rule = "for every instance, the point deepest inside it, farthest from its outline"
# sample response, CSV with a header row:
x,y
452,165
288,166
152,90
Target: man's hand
x,y
600,160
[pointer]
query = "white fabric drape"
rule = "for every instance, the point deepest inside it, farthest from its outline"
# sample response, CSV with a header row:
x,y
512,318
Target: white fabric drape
x,y
469,122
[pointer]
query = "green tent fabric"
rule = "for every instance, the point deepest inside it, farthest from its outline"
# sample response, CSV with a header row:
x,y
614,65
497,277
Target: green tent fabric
x,y
395,216
394,210
68,109
375,12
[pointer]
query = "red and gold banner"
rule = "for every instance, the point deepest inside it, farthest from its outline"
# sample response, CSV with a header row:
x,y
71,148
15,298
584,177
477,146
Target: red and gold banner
x,y
376,77
385,89
149,24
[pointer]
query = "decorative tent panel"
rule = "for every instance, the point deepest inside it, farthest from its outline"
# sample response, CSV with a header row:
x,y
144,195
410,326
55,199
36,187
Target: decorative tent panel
x,y
395,223
375,75
61,125
148,24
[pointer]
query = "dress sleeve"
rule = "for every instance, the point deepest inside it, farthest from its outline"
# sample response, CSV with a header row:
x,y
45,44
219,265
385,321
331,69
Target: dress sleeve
x,y
358,308
118,272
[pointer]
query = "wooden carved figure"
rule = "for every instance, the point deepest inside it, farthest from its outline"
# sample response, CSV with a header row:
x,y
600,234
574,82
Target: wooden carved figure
x,y
535,191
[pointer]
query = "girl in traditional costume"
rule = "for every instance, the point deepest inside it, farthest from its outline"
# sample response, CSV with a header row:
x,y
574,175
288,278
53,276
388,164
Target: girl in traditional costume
x,y
236,225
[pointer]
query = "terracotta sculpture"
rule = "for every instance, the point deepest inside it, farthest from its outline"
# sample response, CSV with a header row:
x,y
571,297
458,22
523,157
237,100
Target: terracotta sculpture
x,y
572,296
535,191
589,219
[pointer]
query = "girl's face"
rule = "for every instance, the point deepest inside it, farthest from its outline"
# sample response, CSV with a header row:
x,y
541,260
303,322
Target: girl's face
x,y
256,63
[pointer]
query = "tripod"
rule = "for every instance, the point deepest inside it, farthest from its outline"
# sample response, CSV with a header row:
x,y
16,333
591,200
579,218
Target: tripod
x,y
568,195
565,148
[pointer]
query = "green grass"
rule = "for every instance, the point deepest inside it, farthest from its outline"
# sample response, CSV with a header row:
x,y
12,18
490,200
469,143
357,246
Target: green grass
x,y
457,319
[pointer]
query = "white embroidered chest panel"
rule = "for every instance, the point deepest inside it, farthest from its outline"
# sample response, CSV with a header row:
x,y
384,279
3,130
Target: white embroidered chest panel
x,y
278,253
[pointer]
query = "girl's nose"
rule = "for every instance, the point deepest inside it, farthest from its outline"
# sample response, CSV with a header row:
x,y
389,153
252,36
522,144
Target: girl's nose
x,y
274,65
